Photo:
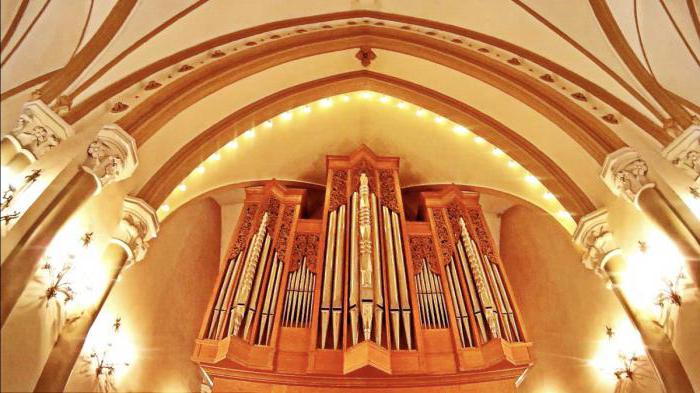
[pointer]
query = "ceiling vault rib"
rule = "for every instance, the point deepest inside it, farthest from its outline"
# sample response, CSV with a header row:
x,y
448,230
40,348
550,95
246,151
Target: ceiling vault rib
x,y
113,89
208,141
617,40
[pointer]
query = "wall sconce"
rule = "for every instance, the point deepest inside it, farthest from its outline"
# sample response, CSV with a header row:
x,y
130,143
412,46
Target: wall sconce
x,y
60,277
694,191
104,362
9,195
627,362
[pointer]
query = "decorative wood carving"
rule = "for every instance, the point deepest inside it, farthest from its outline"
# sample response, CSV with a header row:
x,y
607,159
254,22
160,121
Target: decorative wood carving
x,y
610,118
184,68
338,189
119,107
285,228
476,219
580,96
422,248
249,210
388,189
152,85
442,235
547,78
305,246
454,212
272,207
365,55
363,166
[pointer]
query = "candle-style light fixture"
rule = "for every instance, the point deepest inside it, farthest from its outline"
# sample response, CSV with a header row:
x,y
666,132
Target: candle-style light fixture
x,y
59,277
11,193
627,361
105,363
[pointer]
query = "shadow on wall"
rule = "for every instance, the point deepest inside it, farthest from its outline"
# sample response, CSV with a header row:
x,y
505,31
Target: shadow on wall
x,y
564,306
162,300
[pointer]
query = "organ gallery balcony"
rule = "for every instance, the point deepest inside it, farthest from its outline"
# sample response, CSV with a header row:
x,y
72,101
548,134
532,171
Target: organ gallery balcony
x,y
362,297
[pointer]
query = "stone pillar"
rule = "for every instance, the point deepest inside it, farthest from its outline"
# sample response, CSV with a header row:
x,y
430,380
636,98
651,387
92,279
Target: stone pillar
x,y
139,224
110,157
684,153
603,257
625,173
39,130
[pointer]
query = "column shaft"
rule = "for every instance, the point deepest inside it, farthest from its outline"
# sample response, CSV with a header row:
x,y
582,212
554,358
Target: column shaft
x,y
657,208
8,151
66,351
22,262
659,348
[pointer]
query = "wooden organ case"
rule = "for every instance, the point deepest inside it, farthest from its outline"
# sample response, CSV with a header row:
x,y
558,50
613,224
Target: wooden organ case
x,y
362,298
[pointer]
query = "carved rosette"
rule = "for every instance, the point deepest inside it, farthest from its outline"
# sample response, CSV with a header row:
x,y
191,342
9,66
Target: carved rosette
x,y
422,249
684,152
38,131
285,228
305,246
247,223
454,213
476,219
111,156
625,173
594,236
388,189
138,225
338,189
443,236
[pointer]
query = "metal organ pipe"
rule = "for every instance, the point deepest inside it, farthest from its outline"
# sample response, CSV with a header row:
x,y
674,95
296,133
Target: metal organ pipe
x,y
354,269
378,285
270,302
460,308
338,275
394,309
327,277
401,272
219,306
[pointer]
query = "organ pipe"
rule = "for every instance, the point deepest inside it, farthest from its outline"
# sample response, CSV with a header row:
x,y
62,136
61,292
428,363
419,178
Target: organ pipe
x,y
354,269
270,301
476,304
219,306
253,303
401,272
482,284
378,287
243,292
458,301
338,276
366,281
394,309
327,277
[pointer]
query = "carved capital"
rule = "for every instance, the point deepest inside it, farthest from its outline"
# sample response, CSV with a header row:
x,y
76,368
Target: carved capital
x,y
684,151
625,173
38,131
111,156
138,225
594,236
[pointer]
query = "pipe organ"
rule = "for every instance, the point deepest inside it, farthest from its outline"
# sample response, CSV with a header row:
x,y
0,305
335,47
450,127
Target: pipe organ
x,y
360,295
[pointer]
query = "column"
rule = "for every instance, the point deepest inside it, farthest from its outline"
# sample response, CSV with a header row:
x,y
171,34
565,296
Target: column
x,y
625,173
110,157
39,130
139,224
603,257
684,153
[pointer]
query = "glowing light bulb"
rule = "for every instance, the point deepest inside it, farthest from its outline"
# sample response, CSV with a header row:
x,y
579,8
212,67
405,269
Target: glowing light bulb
x,y
402,105
513,164
306,109
232,145
439,119
384,99
268,124
345,98
326,103
461,130
497,152
531,179
366,95
286,116
420,112
250,134
200,169
165,208
548,195
215,157
182,187
479,140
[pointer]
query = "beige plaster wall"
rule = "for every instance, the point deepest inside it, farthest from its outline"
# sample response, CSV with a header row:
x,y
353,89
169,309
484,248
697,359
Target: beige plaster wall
x,y
564,306
162,301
